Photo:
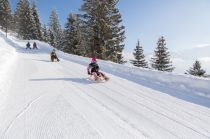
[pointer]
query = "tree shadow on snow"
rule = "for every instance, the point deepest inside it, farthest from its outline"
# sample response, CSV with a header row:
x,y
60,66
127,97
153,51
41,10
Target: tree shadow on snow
x,y
75,80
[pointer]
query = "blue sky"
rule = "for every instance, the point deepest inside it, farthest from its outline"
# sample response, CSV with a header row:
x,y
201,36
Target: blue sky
x,y
184,23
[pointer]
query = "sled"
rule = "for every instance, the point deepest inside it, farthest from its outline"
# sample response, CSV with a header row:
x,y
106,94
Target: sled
x,y
53,58
99,80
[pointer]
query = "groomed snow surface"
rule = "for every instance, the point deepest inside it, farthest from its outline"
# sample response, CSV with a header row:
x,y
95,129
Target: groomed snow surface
x,y
44,100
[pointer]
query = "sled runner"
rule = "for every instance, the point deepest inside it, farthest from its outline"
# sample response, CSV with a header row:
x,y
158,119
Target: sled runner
x,y
99,79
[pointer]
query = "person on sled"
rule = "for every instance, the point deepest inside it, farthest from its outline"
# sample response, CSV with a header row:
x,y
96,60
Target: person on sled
x,y
93,71
53,56
35,46
28,46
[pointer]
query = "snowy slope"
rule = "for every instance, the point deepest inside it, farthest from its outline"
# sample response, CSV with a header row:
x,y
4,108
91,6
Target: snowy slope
x,y
56,101
7,58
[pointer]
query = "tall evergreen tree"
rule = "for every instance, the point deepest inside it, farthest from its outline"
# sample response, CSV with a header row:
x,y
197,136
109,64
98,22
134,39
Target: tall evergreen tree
x,y
139,57
94,34
161,60
72,41
37,24
104,29
118,31
45,34
24,20
55,30
51,38
196,70
5,15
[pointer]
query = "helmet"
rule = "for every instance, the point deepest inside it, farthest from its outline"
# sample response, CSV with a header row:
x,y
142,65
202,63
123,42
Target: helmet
x,y
53,50
94,59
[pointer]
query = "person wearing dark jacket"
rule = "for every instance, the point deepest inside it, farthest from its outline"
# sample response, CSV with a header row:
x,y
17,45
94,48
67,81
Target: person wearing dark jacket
x,y
28,46
53,56
35,46
93,69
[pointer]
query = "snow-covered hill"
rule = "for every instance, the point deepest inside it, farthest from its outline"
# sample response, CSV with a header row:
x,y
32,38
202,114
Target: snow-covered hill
x,y
44,100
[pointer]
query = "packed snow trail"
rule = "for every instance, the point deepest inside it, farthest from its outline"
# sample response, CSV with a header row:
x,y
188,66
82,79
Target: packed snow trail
x,y
56,101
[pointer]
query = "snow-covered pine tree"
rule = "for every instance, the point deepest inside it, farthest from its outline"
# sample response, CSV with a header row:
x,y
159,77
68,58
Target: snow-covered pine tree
x,y
24,20
161,60
70,35
196,70
104,29
37,24
55,30
72,41
5,15
51,38
116,44
139,57
45,34
92,10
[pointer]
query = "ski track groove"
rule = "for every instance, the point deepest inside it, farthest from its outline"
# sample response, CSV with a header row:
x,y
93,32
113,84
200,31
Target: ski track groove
x,y
132,100
98,131
20,114
64,98
110,110
165,115
160,103
123,119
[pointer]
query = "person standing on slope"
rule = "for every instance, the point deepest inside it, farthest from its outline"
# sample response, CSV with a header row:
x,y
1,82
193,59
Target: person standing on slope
x,y
28,46
35,46
93,70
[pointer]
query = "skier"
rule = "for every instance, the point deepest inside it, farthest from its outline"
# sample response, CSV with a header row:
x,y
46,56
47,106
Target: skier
x,y
28,46
54,56
35,46
93,70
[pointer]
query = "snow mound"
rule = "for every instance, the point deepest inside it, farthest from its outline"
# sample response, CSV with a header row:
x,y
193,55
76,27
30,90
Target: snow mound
x,y
7,58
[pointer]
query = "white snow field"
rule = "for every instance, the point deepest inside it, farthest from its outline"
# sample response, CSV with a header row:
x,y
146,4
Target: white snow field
x,y
44,100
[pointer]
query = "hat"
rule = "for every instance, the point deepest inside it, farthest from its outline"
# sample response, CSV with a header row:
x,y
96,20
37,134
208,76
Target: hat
x,y
94,59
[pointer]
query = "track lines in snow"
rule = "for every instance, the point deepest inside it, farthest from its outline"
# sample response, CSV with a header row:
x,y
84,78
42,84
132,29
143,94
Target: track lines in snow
x,y
168,115
20,114
168,106
92,100
119,125
120,114
62,121
186,114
